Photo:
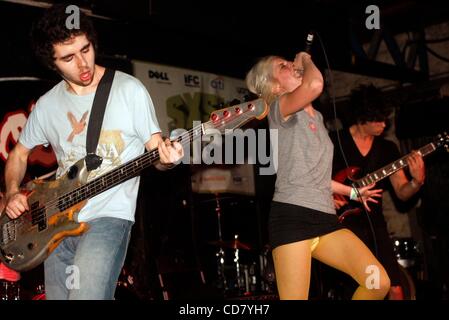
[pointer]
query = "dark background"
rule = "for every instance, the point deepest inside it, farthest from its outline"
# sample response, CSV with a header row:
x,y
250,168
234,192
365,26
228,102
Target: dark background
x,y
226,37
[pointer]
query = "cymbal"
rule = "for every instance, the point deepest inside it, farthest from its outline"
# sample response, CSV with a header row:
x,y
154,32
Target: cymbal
x,y
233,244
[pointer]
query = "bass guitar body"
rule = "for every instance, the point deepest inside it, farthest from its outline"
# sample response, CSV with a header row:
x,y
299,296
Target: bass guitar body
x,y
28,240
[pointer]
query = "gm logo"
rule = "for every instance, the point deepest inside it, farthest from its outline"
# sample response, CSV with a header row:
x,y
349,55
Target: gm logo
x,y
191,81
158,75
217,83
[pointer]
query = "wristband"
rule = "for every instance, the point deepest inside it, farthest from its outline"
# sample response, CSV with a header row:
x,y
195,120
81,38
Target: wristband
x,y
415,184
353,194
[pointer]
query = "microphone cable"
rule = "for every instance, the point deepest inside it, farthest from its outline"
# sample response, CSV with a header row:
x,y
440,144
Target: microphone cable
x,y
340,146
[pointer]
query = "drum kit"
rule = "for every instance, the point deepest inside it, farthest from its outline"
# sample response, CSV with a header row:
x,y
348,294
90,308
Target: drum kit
x,y
237,272
246,278
233,276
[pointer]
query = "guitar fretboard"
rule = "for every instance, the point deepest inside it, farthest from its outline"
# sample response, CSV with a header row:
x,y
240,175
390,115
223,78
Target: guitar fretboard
x,y
120,174
392,167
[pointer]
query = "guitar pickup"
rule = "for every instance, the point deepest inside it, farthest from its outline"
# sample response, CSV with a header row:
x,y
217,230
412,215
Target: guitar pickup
x,y
39,218
8,232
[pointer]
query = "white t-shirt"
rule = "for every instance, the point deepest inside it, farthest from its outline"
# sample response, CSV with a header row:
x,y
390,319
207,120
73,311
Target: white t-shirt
x,y
60,119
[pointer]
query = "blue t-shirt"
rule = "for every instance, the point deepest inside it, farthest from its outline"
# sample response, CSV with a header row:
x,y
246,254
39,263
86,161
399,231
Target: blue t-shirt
x,y
60,119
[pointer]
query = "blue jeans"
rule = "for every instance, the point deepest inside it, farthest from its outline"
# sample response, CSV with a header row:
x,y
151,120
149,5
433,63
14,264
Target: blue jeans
x,y
87,267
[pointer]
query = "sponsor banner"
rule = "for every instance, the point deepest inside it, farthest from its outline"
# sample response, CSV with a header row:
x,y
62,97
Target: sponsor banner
x,y
237,179
181,96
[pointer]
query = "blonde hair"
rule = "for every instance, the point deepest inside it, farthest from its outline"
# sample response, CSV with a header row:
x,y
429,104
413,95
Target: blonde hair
x,y
260,81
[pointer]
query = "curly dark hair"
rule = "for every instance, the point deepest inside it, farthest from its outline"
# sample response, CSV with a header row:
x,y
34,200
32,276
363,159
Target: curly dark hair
x,y
51,29
367,103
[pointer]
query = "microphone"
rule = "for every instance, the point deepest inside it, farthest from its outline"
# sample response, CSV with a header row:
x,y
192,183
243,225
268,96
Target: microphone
x,y
307,49
309,41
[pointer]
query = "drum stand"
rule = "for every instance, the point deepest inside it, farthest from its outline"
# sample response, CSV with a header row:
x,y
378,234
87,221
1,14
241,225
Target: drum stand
x,y
9,290
237,265
220,254
221,267
242,274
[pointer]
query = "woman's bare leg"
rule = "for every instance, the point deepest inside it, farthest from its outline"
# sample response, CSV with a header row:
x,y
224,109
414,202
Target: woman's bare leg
x,y
292,263
344,251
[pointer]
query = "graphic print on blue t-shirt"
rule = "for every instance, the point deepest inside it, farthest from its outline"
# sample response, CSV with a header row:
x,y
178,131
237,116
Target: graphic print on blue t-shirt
x,y
77,126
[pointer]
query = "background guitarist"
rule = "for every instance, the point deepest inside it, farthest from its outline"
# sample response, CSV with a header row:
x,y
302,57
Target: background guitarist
x,y
364,147
86,266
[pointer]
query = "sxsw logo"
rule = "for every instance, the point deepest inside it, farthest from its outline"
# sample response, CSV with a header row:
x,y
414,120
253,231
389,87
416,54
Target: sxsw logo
x,y
217,83
191,81
162,76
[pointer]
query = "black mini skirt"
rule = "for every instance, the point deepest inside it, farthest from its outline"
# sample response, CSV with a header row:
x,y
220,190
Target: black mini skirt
x,y
290,223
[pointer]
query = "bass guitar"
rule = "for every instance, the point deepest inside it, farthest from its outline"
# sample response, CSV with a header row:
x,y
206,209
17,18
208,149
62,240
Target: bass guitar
x,y
28,240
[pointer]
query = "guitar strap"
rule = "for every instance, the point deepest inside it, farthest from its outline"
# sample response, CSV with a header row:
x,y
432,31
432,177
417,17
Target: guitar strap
x,y
96,119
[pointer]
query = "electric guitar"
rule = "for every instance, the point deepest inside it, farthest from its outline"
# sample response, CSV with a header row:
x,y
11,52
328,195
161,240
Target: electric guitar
x,y
350,173
27,241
